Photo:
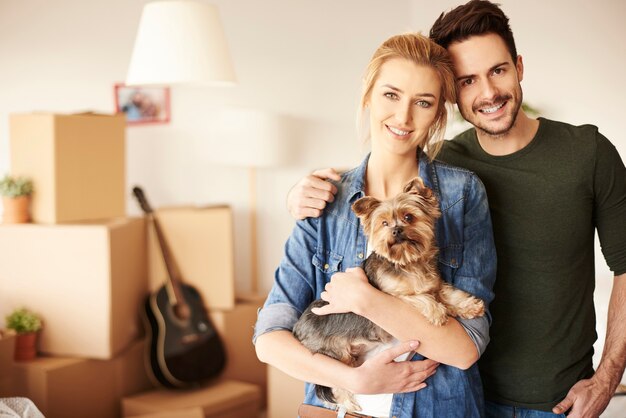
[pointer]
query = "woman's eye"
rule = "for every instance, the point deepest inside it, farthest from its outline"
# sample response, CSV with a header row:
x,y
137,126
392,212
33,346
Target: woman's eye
x,y
385,223
391,95
423,103
408,218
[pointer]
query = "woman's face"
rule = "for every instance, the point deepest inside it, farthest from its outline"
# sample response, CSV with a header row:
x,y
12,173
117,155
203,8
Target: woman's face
x,y
403,106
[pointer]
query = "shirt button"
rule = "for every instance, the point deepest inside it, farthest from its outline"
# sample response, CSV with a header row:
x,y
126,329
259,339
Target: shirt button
x,y
360,255
326,266
453,261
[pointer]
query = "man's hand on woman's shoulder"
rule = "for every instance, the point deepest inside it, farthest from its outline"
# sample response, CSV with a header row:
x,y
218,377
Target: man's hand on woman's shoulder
x,y
308,198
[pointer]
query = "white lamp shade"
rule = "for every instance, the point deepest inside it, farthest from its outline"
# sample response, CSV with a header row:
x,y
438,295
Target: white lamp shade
x,y
249,138
180,42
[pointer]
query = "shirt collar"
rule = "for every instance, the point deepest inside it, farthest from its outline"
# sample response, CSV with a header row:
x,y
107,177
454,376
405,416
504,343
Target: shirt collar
x,y
356,177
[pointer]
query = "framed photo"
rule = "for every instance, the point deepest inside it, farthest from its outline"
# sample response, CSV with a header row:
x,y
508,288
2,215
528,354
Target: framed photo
x,y
143,105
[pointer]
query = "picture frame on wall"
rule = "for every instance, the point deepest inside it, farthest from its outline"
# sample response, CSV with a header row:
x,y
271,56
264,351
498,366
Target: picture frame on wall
x,y
143,105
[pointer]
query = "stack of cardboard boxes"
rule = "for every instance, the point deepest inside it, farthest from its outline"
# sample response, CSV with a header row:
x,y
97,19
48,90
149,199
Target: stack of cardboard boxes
x,y
87,268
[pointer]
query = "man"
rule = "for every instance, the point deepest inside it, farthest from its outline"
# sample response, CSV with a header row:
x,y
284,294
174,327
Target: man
x,y
549,185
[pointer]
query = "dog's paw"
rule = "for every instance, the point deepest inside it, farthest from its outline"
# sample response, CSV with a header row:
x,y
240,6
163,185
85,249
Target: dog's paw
x,y
438,316
346,399
473,308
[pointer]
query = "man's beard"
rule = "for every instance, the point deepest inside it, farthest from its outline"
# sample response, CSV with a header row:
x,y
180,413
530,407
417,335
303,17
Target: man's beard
x,y
497,100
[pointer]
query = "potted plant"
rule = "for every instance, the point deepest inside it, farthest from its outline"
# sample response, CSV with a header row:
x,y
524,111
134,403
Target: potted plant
x,y
16,192
26,325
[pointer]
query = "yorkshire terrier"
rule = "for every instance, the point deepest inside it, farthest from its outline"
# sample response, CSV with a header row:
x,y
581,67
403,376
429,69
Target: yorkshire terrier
x,y
401,232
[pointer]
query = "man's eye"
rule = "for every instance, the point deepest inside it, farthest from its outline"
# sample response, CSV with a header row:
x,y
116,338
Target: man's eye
x,y
385,223
498,71
408,218
467,82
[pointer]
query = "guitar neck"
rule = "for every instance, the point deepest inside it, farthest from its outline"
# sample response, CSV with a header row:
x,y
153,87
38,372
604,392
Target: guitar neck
x,y
173,274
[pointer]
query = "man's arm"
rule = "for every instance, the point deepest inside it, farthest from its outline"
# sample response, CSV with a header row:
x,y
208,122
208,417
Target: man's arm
x,y
589,397
308,198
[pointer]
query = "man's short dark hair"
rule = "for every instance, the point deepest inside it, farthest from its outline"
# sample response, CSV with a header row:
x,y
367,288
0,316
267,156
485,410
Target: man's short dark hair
x,y
477,17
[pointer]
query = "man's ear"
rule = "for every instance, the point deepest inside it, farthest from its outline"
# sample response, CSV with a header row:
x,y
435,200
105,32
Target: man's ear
x,y
519,67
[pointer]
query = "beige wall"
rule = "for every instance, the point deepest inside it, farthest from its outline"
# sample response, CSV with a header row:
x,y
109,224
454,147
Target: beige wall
x,y
300,58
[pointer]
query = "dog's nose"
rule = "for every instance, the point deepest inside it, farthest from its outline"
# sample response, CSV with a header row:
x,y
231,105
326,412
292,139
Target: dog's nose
x,y
397,231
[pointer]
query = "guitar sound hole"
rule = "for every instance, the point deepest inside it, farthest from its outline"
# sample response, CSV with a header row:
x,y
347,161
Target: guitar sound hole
x,y
182,311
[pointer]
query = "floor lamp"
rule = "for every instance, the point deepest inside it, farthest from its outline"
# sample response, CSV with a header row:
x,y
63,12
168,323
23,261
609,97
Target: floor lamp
x,y
180,42
253,139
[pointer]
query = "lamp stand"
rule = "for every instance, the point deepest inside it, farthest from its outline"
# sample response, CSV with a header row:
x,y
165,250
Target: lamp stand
x,y
254,276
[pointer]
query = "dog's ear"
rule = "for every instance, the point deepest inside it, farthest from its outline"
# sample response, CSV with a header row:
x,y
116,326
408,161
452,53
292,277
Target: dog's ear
x,y
429,201
414,186
364,208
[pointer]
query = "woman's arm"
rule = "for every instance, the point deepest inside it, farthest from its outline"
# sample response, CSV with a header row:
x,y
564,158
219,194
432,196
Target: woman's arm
x,y
379,374
351,292
294,288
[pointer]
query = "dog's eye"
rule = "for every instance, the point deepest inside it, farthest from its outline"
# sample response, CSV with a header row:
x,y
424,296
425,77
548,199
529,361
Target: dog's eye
x,y
385,223
408,218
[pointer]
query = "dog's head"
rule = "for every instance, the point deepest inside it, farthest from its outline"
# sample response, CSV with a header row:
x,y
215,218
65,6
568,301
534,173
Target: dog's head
x,y
401,229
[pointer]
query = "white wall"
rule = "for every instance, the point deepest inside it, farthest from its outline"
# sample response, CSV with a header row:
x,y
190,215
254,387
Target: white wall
x,y
300,58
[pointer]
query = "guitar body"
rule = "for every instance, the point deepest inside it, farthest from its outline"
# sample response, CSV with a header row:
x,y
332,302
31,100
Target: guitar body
x,y
182,352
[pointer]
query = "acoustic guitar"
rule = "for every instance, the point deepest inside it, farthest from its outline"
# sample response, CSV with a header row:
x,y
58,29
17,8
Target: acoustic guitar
x,y
184,348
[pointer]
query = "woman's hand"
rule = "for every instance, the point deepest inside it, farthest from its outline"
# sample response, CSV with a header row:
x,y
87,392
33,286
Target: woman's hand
x,y
346,292
381,374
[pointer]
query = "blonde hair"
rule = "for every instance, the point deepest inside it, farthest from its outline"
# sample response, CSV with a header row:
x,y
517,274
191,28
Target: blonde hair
x,y
422,51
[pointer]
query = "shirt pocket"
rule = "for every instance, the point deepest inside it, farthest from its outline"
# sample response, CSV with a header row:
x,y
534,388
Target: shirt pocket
x,y
450,260
327,262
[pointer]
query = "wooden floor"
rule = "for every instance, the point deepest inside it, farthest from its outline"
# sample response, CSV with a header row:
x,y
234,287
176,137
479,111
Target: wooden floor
x,y
616,409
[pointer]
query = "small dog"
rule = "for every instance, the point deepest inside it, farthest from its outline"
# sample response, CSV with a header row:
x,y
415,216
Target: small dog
x,y
403,264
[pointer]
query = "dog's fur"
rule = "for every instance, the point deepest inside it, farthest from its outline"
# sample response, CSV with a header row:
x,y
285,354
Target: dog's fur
x,y
403,264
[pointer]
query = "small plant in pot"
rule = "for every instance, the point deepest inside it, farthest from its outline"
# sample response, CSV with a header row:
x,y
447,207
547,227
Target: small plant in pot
x,y
26,325
16,192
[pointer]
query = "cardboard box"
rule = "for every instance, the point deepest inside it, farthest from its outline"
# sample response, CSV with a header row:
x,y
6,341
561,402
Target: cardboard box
x,y
7,347
68,387
222,399
73,387
87,281
179,413
129,369
201,244
284,394
236,327
77,163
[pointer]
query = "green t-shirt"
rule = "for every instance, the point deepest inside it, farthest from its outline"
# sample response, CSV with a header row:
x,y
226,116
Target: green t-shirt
x,y
546,200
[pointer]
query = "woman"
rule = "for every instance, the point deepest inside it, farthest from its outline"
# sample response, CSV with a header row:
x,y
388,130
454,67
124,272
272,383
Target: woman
x,y
407,83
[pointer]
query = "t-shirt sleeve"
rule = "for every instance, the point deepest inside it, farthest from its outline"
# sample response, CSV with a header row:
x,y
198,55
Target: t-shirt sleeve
x,y
610,204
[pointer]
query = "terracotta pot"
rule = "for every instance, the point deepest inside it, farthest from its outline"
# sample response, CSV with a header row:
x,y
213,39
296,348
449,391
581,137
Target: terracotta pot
x,y
16,210
25,346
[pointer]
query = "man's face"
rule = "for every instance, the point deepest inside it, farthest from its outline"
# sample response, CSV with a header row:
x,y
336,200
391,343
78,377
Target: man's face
x,y
488,81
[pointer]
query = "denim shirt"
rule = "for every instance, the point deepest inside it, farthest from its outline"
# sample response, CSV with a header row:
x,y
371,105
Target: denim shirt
x,y
320,247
